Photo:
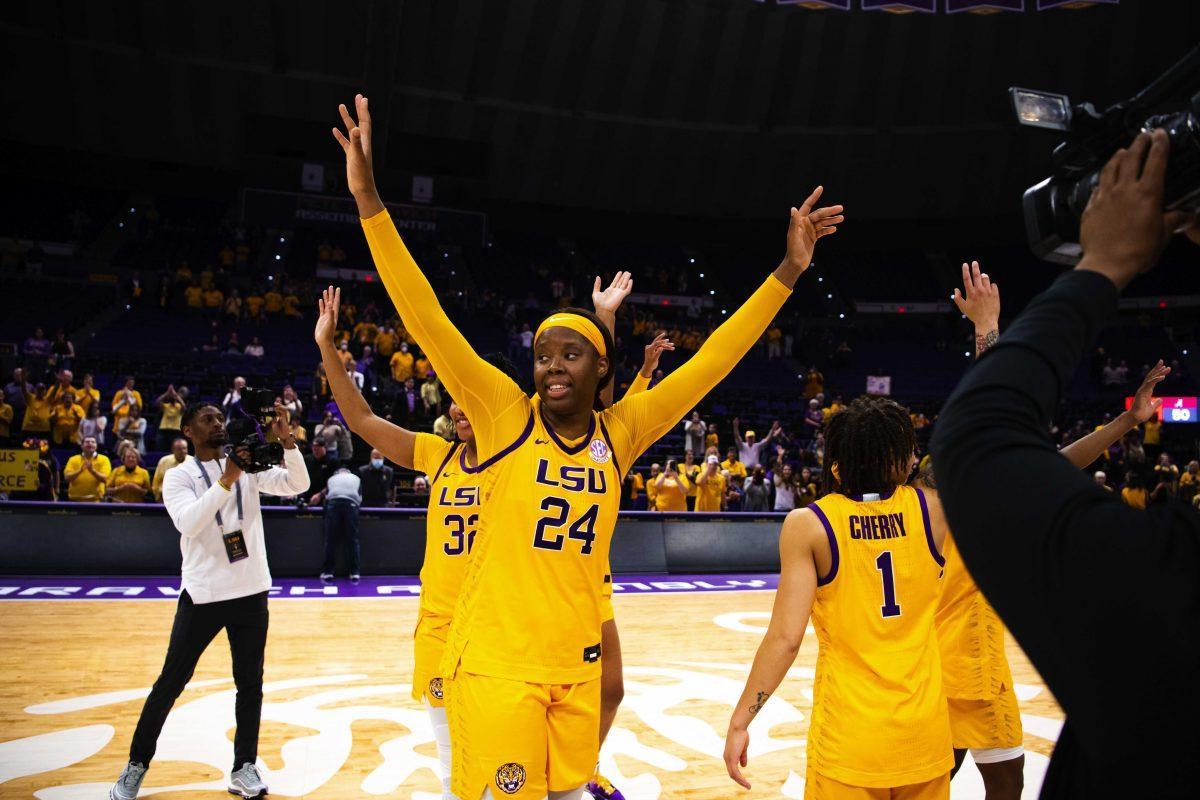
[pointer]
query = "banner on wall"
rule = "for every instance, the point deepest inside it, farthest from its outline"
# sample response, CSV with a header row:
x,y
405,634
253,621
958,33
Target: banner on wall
x,y
18,470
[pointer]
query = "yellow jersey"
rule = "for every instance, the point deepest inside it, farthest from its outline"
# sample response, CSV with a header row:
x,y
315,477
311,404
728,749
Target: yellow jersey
x,y
970,635
530,605
672,495
450,524
710,495
879,717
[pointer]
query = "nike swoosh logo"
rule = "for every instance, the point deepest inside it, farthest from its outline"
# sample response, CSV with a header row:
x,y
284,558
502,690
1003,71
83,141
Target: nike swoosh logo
x,y
541,441
447,474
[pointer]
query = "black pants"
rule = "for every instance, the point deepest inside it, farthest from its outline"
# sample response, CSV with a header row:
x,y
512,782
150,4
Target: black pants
x,y
341,516
245,621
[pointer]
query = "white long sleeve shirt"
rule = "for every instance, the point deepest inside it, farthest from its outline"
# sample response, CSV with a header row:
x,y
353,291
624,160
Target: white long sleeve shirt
x,y
207,574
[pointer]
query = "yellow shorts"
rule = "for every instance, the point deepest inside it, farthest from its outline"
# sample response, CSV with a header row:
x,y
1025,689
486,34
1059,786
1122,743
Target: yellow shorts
x,y
821,787
521,739
986,724
429,642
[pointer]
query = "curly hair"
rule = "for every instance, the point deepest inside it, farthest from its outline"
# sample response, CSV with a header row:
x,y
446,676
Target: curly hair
x,y
868,444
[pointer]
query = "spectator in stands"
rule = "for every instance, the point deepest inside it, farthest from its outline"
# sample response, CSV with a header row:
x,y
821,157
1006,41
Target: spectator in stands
x,y
292,403
749,448
758,494
233,305
652,486
62,351
129,483
1134,491
94,424
356,377
132,428
815,452
635,487
213,346
710,483
1101,479
233,398
15,391
214,299
1152,436
255,348
420,486
273,301
173,459
814,419
786,483
232,346
408,411
320,465
1166,472
377,481
693,434
1189,481
401,364
1122,373
253,306
431,395
385,344
1109,376
342,496
299,432
526,336
774,336
87,473
814,382
38,408
420,366
170,405
807,490
125,398
6,420
734,494
345,355
712,439
193,296
732,465
66,417
37,350
671,489
291,304
62,385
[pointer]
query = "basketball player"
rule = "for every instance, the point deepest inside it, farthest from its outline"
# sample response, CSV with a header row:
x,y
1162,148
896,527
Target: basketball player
x,y
450,526
984,715
524,650
866,563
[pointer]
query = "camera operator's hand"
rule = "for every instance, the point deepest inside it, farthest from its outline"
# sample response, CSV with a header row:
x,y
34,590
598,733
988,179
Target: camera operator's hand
x,y
232,471
1124,230
282,427
327,307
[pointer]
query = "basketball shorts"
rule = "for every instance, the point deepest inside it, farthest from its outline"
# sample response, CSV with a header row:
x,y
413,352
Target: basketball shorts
x,y
986,724
429,642
821,787
521,739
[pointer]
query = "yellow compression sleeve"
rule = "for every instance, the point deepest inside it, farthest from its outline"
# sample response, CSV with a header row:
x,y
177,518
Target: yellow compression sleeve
x,y
640,383
646,416
496,407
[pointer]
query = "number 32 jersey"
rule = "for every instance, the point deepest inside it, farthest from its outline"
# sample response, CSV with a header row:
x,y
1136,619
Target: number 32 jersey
x,y
879,713
450,524
541,557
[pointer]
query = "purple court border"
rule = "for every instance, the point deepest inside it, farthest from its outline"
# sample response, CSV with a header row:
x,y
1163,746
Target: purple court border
x,y
166,587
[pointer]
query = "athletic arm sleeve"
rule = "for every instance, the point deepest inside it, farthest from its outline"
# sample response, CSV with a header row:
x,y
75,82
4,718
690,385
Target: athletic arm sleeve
x,y
640,383
496,406
648,415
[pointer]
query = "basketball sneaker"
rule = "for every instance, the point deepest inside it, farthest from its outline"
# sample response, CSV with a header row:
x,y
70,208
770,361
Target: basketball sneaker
x,y
600,788
246,782
127,786
326,578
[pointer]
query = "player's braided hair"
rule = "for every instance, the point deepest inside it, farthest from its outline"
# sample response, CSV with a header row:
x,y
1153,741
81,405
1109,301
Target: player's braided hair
x,y
609,347
870,442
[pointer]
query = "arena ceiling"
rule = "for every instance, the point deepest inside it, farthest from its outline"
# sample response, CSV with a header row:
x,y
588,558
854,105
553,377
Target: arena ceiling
x,y
709,108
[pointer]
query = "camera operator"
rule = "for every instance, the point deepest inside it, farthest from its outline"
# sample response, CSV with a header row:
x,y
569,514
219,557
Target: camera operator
x,y
1070,568
225,581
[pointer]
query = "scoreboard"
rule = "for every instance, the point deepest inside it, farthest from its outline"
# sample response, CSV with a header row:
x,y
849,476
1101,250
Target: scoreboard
x,y
1174,409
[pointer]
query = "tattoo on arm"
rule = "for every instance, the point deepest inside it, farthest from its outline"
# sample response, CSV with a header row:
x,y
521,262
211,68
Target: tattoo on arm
x,y
985,341
759,702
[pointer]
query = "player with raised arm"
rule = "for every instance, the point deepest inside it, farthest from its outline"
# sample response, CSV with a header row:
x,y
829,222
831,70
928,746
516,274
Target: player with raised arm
x,y
524,650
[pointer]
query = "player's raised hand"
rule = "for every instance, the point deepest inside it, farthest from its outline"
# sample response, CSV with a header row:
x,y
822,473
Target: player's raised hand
x,y
737,741
610,299
327,310
1145,404
654,352
806,227
356,142
979,298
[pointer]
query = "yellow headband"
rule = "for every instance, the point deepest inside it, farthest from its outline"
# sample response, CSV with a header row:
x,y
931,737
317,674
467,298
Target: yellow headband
x,y
580,324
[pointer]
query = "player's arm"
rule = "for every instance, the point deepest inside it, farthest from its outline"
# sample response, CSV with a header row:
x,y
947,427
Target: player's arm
x,y
785,633
494,403
979,301
1145,405
654,351
606,303
649,414
393,441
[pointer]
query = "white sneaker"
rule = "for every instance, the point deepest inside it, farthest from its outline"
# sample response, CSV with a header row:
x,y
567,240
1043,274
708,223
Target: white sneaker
x,y
127,786
355,578
246,782
326,578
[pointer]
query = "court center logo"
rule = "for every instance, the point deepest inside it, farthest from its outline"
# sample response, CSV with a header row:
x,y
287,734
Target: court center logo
x,y
598,450
435,688
510,777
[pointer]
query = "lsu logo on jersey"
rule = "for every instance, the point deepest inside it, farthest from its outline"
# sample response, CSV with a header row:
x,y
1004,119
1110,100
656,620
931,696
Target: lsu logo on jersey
x,y
435,688
598,450
510,777
462,496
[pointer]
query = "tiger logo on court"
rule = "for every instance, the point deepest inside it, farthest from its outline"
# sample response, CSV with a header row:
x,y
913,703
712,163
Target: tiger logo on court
x,y
435,688
510,777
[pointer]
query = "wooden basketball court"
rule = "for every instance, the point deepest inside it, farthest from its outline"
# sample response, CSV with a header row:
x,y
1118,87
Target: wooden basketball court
x,y
338,720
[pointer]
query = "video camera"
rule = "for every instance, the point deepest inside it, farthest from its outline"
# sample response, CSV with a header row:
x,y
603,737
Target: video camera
x,y
1054,207
248,418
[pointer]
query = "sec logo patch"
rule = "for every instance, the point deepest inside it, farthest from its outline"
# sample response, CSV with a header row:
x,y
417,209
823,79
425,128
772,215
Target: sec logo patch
x,y
435,688
510,777
598,450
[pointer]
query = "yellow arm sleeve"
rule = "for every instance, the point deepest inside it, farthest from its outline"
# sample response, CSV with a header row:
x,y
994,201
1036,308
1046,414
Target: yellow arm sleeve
x,y
646,416
640,383
496,406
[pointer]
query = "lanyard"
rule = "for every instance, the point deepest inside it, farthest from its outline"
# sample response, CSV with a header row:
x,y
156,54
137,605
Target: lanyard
x,y
237,488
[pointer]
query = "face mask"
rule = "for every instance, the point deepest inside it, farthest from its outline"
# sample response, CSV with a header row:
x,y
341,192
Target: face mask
x,y
376,462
